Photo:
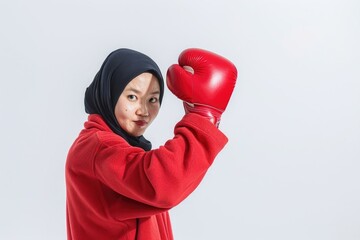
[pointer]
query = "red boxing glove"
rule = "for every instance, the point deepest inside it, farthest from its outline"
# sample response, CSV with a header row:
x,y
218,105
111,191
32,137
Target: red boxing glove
x,y
204,81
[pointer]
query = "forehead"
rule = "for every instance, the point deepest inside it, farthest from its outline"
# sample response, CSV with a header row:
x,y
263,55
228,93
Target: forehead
x,y
144,82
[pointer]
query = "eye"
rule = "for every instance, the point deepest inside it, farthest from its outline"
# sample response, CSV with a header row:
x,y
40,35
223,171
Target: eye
x,y
153,100
132,97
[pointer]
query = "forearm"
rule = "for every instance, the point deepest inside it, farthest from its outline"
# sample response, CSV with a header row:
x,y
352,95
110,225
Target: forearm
x,y
165,176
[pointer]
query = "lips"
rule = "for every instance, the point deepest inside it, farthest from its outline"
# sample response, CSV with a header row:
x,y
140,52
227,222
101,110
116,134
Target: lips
x,y
140,123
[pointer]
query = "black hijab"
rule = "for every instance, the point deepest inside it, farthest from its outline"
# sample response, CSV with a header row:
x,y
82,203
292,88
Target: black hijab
x,y
118,69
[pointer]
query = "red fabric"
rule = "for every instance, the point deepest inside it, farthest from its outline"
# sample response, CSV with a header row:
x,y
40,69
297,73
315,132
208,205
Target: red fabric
x,y
116,191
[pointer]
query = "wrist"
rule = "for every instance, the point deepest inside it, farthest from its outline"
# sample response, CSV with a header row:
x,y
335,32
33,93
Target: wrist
x,y
208,112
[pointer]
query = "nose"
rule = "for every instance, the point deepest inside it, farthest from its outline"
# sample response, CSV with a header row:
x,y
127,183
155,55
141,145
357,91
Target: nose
x,y
142,110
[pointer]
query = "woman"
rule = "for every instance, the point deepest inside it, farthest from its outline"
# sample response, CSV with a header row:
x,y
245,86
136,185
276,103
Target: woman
x,y
117,187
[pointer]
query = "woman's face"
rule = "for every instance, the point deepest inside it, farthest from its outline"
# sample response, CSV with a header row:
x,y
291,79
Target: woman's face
x,y
138,104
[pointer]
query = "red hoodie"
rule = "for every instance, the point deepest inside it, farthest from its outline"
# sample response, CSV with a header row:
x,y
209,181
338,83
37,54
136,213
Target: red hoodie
x,y
116,191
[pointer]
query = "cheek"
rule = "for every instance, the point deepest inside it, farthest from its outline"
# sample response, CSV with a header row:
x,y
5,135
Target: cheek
x,y
155,110
127,108
123,111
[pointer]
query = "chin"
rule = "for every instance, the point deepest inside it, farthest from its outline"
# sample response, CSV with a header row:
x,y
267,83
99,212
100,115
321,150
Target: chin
x,y
136,134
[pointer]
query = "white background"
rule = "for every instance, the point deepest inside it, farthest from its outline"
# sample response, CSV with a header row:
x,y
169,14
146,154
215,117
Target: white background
x,y
291,168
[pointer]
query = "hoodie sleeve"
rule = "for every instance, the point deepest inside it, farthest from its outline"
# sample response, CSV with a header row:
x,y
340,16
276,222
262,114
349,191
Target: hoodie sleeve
x,y
157,180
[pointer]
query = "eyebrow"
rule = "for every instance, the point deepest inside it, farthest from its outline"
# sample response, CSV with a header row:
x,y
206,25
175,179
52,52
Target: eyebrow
x,y
155,92
138,92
